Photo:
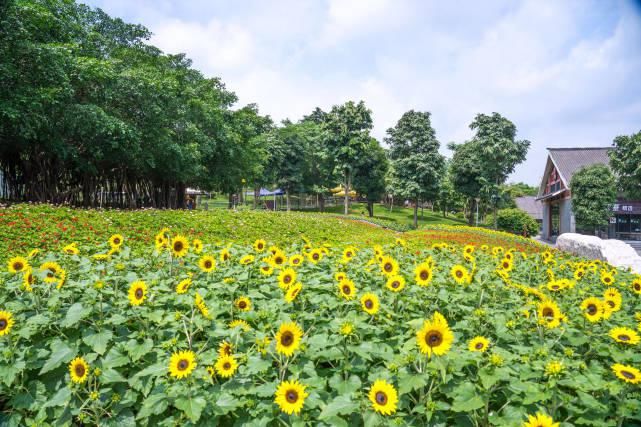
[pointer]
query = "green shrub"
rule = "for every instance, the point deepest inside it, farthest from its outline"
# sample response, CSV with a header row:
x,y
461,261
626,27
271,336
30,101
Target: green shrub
x,y
517,221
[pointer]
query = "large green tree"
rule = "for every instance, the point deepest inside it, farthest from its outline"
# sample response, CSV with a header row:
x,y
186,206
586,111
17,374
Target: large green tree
x,y
593,194
417,164
625,160
369,176
347,128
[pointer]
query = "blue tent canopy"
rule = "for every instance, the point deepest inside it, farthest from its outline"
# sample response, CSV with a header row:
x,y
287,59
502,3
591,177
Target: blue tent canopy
x,y
266,192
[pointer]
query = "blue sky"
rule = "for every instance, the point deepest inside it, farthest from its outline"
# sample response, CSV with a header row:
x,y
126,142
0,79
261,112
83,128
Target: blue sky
x,y
566,72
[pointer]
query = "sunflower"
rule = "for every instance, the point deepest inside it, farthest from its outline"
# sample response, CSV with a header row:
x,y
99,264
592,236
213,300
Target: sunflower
x,y
554,368
259,245
71,249
460,274
612,299
348,254
197,244
161,242
549,313
183,286
627,373
6,322
211,371
478,344
293,291
61,279
296,260
239,323
423,274
497,250
290,397
225,349
278,258
435,336
384,397
246,259
243,304
579,273
395,283
370,303
33,253
346,329
607,278
347,289
137,292
507,264
286,278
389,266
625,335
79,370
468,249
315,255
636,285
179,246
28,280
207,264
182,364
225,255
18,264
226,366
116,241
540,420
340,276
288,338
266,270
592,309
202,307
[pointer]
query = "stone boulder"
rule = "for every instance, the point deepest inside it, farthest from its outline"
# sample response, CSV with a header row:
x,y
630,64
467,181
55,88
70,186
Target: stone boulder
x,y
615,252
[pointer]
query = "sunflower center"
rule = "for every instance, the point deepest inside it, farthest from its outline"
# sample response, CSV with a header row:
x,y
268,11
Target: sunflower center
x,y
295,292
227,350
178,246
433,338
346,290
369,304
295,261
607,280
242,304
381,398
478,346
506,265
424,275
395,284
315,256
623,337
116,241
611,303
459,273
387,267
637,286
287,339
79,369
50,273
547,312
183,364
3,324
628,375
592,309
260,246
18,265
555,287
227,366
225,257
207,264
287,279
291,396
348,254
138,293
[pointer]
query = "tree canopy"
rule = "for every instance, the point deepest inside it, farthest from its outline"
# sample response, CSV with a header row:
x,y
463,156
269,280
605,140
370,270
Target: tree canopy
x,y
593,194
625,160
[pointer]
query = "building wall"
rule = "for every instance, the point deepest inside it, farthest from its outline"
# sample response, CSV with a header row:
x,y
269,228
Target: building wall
x,y
566,217
545,230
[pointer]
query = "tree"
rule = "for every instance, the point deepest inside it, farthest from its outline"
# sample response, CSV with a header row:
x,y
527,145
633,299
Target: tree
x,y
347,128
369,176
593,194
417,165
466,174
492,154
625,160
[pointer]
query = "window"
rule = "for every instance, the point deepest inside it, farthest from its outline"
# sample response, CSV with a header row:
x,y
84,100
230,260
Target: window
x,y
635,223
623,223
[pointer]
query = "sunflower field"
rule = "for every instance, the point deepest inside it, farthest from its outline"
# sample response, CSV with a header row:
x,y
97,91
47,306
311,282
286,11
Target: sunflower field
x,y
187,332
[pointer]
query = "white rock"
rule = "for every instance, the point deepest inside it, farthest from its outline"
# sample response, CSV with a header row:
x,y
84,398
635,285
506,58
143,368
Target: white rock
x,y
616,252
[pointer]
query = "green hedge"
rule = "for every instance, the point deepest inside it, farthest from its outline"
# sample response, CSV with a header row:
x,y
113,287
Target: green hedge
x,y
517,221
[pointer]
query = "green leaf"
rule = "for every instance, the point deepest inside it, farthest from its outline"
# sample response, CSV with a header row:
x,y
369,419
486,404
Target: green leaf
x,y
114,359
466,398
340,405
192,407
61,353
111,376
136,350
154,404
98,341
227,403
61,398
345,387
409,382
75,313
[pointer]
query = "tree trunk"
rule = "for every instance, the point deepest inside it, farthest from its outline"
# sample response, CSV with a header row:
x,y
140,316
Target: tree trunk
x,y
470,217
287,198
321,203
391,205
230,201
256,196
347,183
370,208
415,213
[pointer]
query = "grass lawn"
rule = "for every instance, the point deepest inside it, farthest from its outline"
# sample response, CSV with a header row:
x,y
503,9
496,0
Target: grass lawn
x,y
398,214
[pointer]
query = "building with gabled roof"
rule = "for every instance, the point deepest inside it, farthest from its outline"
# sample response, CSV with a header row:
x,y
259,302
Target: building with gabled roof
x,y
556,197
